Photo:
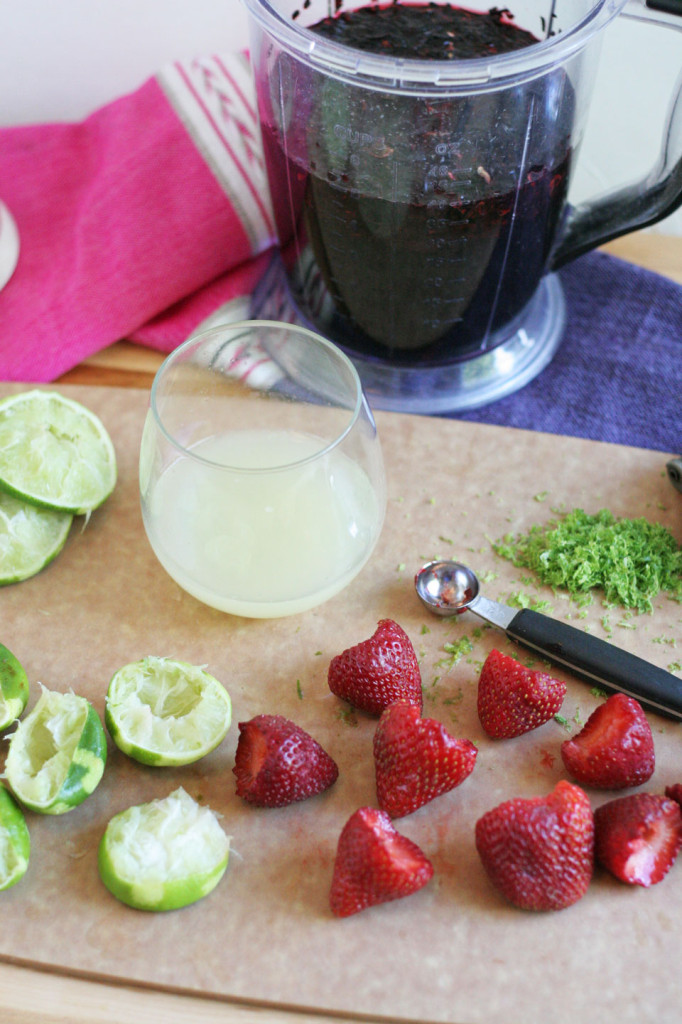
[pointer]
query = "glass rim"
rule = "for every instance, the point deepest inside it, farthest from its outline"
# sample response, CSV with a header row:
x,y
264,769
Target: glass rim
x,y
176,357
395,74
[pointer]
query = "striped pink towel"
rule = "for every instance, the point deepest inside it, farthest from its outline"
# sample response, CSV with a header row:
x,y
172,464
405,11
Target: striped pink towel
x,y
142,221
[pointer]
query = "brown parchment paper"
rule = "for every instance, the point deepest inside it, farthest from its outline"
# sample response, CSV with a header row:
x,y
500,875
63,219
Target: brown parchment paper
x,y
452,952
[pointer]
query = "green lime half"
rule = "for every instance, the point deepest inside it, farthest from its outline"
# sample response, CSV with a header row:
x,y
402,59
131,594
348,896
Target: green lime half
x,y
30,537
54,452
164,712
57,755
163,855
15,842
13,688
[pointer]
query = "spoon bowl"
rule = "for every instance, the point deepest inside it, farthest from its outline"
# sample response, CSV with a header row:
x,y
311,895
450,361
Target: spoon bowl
x,y
446,588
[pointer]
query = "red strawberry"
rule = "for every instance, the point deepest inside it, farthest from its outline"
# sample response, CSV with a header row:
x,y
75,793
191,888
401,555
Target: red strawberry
x,y
615,747
638,837
278,763
379,671
675,792
374,864
416,759
539,852
513,699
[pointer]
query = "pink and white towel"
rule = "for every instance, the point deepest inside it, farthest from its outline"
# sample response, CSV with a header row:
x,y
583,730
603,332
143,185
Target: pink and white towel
x,y
144,221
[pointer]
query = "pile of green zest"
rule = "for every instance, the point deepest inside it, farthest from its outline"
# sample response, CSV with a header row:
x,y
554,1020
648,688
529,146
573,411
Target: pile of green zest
x,y
630,560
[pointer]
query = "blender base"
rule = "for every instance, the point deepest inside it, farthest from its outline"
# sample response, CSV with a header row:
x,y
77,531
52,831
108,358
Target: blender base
x,y
508,363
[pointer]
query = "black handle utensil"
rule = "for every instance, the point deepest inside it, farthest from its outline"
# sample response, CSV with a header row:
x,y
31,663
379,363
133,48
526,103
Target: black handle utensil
x,y
447,588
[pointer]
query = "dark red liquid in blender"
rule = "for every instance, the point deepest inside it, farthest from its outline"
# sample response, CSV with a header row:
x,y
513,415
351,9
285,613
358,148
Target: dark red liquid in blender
x,y
422,226
425,32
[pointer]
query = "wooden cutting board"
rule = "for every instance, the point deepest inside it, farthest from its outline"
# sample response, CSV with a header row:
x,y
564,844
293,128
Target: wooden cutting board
x,y
452,952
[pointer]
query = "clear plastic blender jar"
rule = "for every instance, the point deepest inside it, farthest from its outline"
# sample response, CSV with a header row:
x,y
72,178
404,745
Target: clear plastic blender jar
x,y
423,204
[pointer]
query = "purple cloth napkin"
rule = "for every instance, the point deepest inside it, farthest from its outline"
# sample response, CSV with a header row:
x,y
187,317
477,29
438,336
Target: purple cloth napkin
x,y
617,375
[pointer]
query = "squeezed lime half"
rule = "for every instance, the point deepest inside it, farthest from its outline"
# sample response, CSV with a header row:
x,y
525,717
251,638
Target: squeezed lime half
x,y
57,754
54,452
15,842
163,855
165,712
13,688
30,537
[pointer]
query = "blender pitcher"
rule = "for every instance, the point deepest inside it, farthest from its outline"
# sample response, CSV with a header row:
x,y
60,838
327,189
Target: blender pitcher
x,y
422,204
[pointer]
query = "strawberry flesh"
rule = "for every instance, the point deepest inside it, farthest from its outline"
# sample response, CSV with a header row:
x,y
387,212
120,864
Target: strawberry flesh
x,y
379,671
416,759
615,747
538,852
638,837
513,699
374,864
278,763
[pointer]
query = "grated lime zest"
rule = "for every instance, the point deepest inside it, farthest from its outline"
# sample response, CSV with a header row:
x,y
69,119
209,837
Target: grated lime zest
x,y
630,560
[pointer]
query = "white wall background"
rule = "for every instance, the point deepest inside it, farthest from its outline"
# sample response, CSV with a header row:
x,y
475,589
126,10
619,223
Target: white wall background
x,y
60,59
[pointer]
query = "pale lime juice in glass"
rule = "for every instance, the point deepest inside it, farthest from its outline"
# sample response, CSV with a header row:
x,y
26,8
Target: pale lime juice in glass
x,y
261,476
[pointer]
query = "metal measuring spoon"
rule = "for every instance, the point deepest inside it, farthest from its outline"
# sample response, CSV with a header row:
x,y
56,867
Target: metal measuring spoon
x,y
447,588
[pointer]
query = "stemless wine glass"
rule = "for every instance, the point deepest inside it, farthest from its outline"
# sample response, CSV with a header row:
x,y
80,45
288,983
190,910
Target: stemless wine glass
x,y
261,476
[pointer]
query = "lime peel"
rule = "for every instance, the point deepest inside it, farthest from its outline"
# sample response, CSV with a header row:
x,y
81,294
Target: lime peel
x,y
163,855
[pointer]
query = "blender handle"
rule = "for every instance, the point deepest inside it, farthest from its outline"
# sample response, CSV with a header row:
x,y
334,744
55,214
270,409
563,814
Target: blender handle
x,y
645,202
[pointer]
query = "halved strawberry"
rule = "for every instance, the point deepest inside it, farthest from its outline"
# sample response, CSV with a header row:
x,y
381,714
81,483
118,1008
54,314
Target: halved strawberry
x,y
615,747
379,671
513,699
277,762
538,852
638,837
416,759
374,864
